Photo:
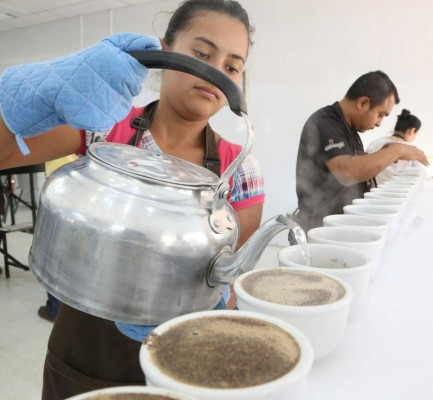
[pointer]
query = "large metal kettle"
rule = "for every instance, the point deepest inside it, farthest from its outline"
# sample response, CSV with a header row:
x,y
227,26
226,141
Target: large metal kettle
x,y
141,237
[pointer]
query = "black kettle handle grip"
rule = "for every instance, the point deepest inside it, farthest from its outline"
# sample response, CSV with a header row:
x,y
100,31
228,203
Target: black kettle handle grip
x,y
180,62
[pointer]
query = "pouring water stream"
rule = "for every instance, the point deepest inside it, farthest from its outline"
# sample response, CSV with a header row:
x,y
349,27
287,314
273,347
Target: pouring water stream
x,y
301,238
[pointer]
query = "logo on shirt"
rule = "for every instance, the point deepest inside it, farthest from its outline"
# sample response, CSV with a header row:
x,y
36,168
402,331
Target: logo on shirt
x,y
333,145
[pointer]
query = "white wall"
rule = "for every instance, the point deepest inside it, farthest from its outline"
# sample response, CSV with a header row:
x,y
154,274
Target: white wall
x,y
306,55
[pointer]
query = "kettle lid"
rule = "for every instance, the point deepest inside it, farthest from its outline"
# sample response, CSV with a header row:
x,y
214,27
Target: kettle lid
x,y
146,164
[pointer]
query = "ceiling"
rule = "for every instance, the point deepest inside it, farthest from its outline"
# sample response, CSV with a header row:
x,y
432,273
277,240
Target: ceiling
x,y
15,14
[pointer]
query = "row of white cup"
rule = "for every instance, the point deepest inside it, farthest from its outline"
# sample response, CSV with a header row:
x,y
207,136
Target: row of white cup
x,y
356,241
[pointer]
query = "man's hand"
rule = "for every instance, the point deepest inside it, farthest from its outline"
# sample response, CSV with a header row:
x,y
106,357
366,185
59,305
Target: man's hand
x,y
410,153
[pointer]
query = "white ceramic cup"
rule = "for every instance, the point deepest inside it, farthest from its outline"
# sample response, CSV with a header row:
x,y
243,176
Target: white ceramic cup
x,y
395,185
369,243
405,214
413,182
399,205
388,190
382,212
405,179
370,224
357,271
383,194
323,324
411,171
394,189
289,386
136,392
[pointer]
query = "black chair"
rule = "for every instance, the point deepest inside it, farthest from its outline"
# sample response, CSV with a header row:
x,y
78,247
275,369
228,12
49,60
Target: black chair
x,y
10,202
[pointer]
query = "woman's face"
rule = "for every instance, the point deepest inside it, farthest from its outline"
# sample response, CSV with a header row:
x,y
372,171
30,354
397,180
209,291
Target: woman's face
x,y
214,38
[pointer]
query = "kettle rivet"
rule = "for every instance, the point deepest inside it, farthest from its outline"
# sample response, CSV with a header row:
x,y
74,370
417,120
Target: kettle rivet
x,y
230,217
224,194
216,223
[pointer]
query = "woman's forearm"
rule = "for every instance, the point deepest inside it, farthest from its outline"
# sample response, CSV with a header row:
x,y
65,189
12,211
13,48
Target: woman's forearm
x,y
59,142
7,140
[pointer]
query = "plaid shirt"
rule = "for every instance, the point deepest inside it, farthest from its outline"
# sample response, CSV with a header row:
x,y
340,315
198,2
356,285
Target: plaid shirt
x,y
247,187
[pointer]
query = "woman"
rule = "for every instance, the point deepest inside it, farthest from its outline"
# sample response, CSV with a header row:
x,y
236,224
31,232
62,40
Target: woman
x,y
86,352
405,132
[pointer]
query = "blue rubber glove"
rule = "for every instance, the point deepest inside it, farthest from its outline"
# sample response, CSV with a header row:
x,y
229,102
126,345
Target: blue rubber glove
x,y
91,89
139,332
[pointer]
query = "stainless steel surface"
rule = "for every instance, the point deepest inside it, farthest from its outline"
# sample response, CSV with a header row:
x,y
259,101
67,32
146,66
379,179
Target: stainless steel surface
x,y
228,266
151,166
129,235
136,250
126,249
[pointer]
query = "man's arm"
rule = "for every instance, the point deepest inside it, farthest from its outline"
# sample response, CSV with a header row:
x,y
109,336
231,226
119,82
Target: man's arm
x,y
349,170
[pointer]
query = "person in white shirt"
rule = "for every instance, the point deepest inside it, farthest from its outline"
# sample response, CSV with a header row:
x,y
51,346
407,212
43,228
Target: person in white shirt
x,y
405,132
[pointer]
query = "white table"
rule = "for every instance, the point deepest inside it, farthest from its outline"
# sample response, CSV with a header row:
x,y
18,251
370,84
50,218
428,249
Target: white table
x,y
387,350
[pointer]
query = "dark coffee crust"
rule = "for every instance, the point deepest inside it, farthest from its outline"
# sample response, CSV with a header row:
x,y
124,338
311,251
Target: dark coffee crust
x,y
224,352
293,287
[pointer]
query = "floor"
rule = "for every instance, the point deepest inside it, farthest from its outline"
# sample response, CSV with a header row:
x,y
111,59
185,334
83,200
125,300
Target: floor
x,y
23,335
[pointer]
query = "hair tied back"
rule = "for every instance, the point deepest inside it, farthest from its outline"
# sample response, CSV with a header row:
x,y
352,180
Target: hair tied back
x,y
404,114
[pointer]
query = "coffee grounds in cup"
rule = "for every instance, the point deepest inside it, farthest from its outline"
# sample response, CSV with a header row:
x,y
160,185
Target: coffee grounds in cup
x,y
293,288
224,352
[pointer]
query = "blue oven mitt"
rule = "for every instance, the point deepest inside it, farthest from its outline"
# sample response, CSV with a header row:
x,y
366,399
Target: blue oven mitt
x,y
139,332
91,89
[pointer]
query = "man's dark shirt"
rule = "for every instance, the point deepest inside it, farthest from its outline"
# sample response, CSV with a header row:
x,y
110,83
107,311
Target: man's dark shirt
x,y
325,135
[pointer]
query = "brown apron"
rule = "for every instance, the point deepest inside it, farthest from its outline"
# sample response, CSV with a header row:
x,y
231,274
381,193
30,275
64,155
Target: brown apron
x,y
86,352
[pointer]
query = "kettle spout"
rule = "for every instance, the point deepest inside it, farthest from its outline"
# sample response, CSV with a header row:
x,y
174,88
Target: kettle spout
x,y
226,267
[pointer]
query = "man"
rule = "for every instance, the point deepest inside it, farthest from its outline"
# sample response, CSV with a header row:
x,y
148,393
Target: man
x,y
332,168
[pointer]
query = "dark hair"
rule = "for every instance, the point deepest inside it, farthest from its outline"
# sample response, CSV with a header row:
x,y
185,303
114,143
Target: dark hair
x,y
189,8
376,86
406,121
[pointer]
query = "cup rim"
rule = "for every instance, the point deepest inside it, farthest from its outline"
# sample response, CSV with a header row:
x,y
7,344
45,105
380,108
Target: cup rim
x,y
300,370
380,223
397,202
392,190
364,210
387,195
379,237
316,309
367,265
132,389
406,178
410,171
403,184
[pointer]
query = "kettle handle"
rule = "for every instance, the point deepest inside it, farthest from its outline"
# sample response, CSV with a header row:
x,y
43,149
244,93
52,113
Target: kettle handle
x,y
180,62
183,63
